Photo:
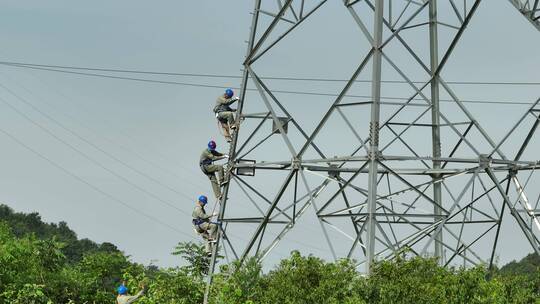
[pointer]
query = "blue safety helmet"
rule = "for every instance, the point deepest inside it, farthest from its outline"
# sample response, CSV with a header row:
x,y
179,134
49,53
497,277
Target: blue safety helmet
x,y
122,290
203,199
212,145
229,93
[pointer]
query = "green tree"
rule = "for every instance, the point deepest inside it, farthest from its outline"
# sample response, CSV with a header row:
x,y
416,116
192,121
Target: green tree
x,y
195,256
238,283
300,279
74,249
28,294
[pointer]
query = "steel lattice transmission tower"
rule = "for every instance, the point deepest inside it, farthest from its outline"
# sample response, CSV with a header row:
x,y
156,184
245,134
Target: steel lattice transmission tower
x,y
377,173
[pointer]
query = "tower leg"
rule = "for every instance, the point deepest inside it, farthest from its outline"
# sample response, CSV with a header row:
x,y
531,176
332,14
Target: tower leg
x,y
435,120
374,133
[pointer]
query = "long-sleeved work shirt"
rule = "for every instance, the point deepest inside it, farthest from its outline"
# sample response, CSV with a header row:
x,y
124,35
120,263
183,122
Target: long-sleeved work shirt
x,y
125,299
200,214
223,104
207,157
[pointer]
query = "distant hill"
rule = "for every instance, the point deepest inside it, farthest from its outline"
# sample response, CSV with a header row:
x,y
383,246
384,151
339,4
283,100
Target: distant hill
x,y
22,224
529,266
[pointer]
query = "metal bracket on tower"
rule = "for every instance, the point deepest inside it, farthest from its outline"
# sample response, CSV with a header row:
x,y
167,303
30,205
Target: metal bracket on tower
x,y
284,121
484,161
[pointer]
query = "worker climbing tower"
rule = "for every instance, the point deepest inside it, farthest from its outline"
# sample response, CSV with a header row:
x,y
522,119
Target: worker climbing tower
x,y
370,170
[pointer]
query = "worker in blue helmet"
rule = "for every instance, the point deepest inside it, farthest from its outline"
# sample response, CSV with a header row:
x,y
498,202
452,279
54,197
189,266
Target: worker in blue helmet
x,y
203,225
124,298
213,171
225,114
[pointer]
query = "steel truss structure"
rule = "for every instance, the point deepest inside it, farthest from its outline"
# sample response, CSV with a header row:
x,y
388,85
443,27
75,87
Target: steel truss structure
x,y
421,172
530,9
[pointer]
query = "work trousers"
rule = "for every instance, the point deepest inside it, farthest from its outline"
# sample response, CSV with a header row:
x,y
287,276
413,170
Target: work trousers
x,y
211,171
226,117
211,229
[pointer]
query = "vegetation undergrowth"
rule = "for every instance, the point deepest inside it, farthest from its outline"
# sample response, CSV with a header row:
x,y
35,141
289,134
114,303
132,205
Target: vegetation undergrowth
x,y
45,263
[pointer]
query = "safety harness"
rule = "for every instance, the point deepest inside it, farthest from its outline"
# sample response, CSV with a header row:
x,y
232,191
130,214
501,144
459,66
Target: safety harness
x,y
203,164
222,108
218,108
197,222
206,162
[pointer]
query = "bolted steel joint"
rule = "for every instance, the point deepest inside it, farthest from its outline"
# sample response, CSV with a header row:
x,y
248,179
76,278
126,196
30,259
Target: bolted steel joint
x,y
296,163
374,131
333,172
513,172
484,161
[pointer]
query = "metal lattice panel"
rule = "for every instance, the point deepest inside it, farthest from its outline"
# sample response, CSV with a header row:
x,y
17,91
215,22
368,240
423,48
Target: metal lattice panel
x,y
530,9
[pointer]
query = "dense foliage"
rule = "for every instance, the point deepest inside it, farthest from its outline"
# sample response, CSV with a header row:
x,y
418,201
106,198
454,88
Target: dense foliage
x,y
35,269
528,266
22,224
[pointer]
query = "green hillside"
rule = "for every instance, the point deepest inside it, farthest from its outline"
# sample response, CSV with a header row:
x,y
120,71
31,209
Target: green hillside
x,y
22,224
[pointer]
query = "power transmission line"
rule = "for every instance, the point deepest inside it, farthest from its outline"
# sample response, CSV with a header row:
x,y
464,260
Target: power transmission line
x,y
92,160
315,79
97,189
94,145
109,140
255,90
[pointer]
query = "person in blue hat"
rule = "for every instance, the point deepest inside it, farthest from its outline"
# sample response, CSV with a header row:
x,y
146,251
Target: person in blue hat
x,y
210,169
225,114
203,225
124,298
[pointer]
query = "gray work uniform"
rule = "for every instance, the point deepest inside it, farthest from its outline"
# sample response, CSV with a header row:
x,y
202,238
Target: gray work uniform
x,y
202,224
125,299
208,168
223,111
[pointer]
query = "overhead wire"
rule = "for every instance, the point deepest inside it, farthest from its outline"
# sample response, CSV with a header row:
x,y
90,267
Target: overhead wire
x,y
87,183
87,157
229,76
107,139
77,135
190,84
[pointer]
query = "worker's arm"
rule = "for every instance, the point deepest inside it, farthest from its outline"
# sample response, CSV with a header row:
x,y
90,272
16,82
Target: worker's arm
x,y
227,102
233,100
207,157
199,213
132,299
217,155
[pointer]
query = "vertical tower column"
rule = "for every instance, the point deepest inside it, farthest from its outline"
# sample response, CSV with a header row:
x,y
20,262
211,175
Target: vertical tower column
x,y
374,132
232,150
435,120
